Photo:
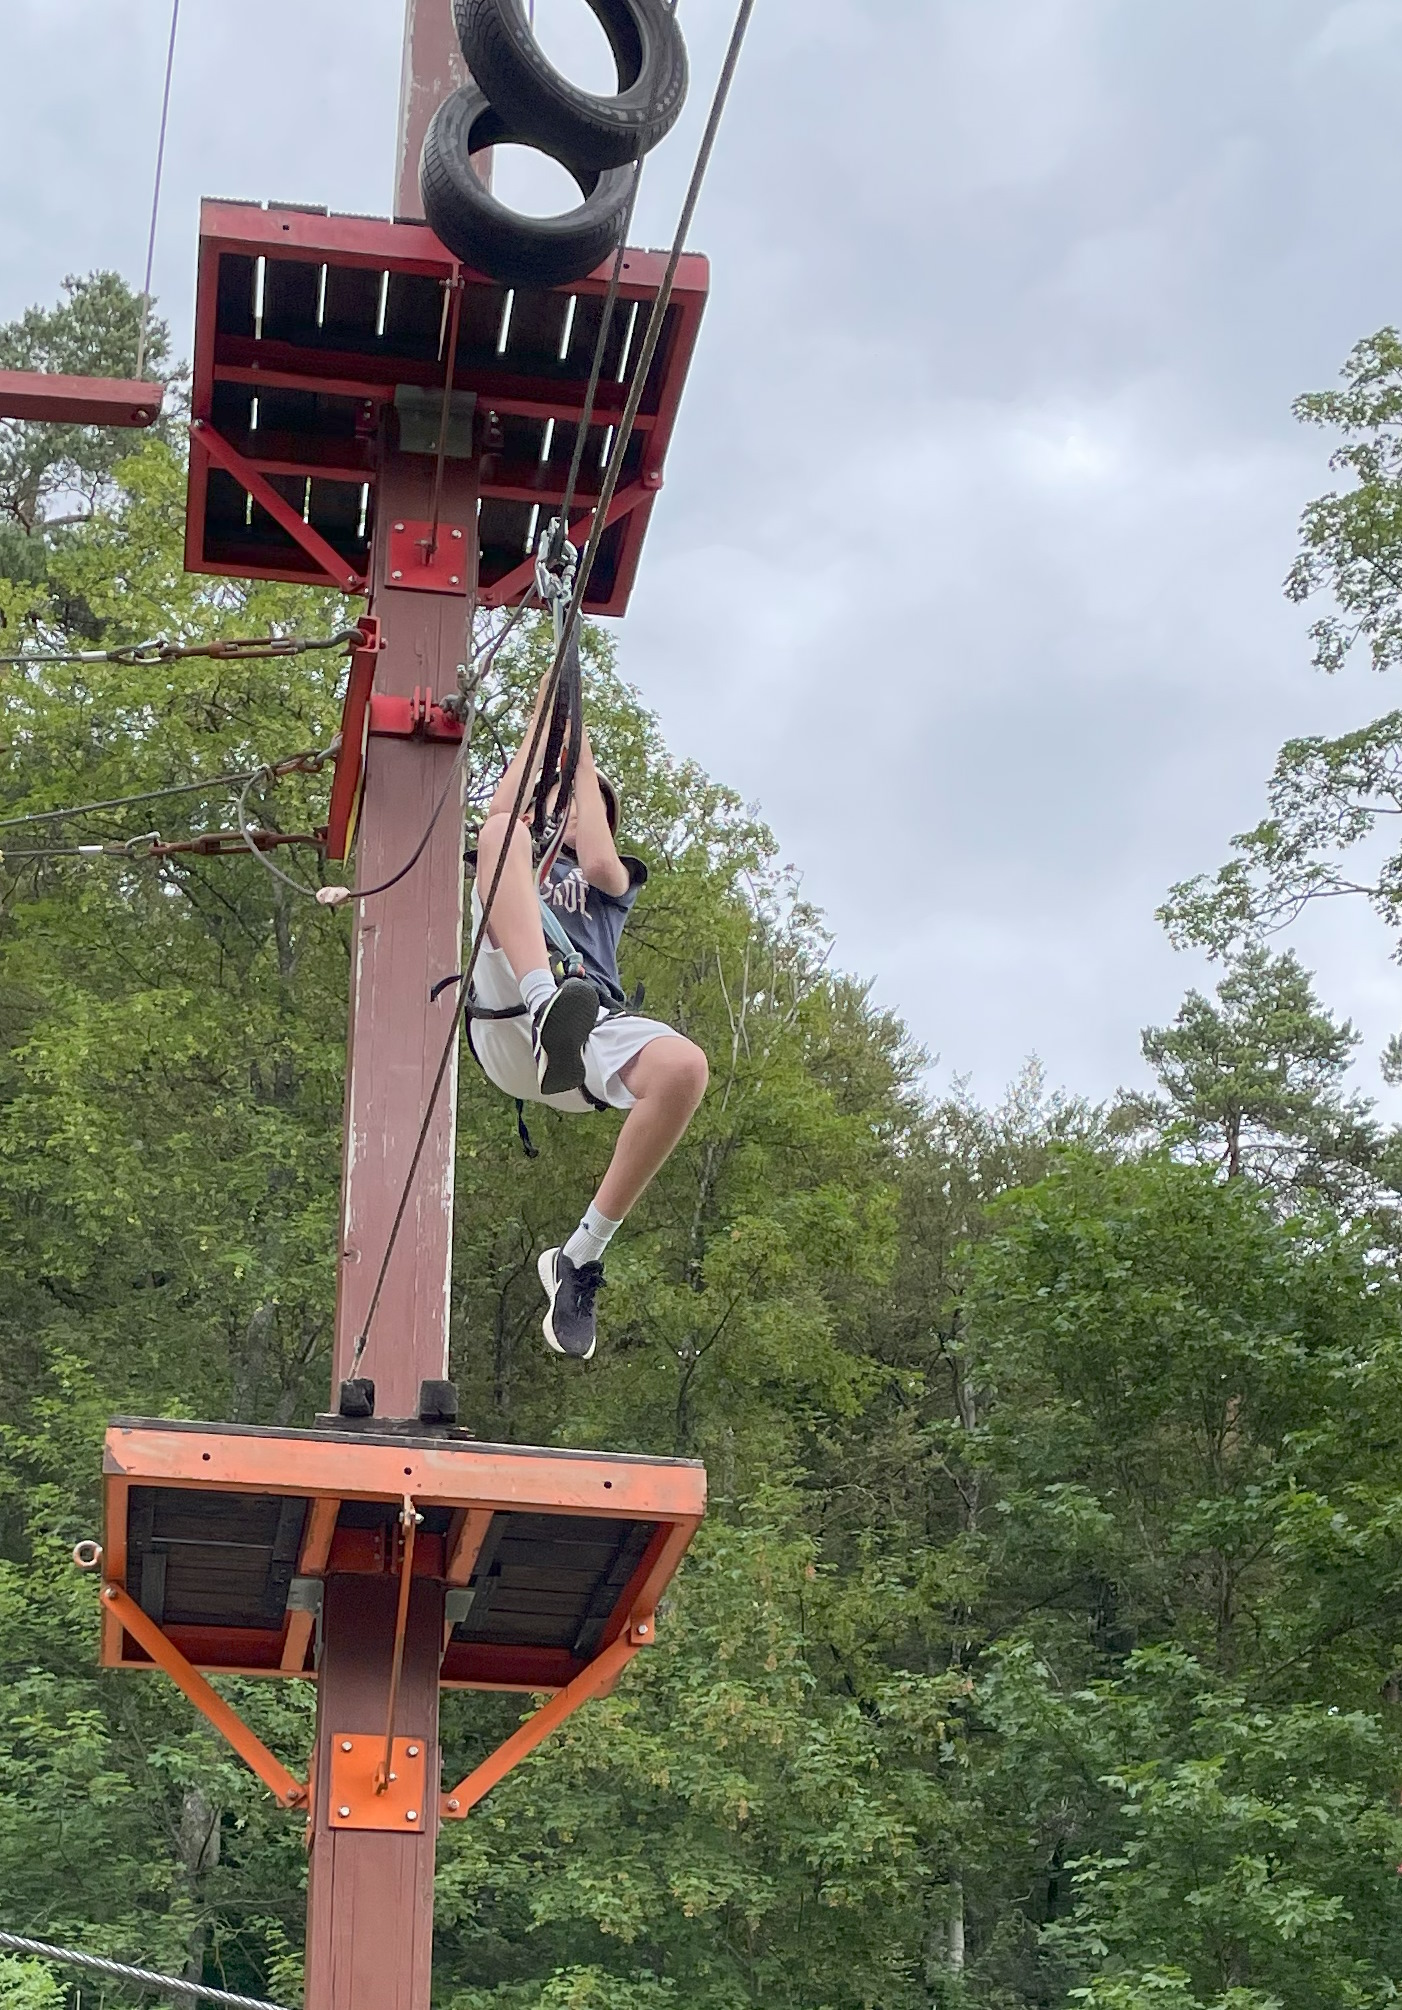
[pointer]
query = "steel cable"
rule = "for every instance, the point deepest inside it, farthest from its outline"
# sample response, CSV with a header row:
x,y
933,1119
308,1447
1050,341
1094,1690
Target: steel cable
x,y
156,190
123,1971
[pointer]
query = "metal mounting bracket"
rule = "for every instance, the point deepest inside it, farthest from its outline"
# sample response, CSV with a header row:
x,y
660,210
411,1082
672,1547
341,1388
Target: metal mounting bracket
x,y
420,561
356,1802
418,717
597,1679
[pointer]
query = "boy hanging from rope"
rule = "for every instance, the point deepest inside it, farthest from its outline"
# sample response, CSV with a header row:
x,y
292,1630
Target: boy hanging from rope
x,y
576,1048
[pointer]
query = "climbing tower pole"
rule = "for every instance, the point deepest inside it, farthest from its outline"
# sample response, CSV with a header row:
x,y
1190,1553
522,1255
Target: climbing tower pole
x,y
370,1894
433,68
370,413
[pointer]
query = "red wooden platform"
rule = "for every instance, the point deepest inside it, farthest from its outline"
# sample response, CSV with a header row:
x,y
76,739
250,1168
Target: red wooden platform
x,y
308,324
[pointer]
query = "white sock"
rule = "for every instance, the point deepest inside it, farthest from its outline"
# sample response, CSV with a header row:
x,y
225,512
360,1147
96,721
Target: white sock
x,y
536,987
591,1238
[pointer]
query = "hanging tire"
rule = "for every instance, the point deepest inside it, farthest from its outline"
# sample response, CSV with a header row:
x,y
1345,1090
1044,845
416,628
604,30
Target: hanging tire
x,y
585,132
484,233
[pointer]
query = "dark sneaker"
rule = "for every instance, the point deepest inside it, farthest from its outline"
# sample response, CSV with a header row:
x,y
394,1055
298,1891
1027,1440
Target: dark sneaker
x,y
569,1318
559,1034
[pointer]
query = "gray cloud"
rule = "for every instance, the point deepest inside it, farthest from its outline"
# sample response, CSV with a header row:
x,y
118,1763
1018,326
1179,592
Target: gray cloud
x,y
969,564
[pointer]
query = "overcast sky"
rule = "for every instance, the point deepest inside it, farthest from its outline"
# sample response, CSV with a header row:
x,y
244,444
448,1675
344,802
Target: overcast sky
x,y
968,566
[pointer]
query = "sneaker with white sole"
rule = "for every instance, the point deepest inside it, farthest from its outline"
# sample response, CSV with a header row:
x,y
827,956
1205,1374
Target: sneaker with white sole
x,y
560,1032
568,1324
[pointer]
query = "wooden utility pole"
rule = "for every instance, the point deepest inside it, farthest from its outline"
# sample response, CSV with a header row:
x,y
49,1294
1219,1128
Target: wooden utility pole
x,y
370,1912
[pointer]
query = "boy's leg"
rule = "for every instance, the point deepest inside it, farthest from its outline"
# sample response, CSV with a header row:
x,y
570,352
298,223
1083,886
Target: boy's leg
x,y
667,1079
514,926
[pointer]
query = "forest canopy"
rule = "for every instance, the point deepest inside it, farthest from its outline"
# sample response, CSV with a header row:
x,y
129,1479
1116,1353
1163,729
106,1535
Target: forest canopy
x,y
1043,1646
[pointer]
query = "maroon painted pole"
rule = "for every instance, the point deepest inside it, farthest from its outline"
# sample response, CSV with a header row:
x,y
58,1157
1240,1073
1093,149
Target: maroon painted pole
x,y
433,69
370,1898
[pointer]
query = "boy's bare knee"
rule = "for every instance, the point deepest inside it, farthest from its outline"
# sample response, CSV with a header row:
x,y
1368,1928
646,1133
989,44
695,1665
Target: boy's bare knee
x,y
688,1068
496,832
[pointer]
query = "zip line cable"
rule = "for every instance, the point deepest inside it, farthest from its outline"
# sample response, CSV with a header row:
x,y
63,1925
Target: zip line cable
x,y
608,488
122,1971
479,670
239,779
156,192
335,896
633,405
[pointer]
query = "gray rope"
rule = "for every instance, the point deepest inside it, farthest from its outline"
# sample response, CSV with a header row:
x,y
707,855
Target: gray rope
x,y
121,1971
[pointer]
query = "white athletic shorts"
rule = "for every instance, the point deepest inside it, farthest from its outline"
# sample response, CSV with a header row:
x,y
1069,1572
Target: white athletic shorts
x,y
503,1046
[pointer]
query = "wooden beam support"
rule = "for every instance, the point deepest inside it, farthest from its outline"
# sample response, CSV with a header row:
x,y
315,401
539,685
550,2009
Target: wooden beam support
x,y
79,401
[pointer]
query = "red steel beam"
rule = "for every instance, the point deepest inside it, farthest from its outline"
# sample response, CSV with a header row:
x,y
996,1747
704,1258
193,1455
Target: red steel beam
x,y
325,556
79,401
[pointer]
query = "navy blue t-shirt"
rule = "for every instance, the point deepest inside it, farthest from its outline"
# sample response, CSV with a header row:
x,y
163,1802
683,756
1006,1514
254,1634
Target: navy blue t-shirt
x,y
593,919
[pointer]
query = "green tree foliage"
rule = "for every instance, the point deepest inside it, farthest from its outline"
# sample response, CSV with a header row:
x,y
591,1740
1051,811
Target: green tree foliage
x,y
1327,833
1253,1082
1044,1642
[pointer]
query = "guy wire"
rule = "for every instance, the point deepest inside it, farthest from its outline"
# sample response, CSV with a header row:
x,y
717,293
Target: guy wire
x,y
156,192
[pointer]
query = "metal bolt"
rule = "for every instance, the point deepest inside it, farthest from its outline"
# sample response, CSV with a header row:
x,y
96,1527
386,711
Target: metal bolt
x,y
452,1807
399,526
344,1813
411,1815
346,1745
394,1776
413,1751
643,1628
457,533
396,574
452,579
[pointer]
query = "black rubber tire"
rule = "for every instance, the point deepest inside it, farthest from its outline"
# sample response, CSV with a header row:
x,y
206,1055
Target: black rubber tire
x,y
587,133
484,233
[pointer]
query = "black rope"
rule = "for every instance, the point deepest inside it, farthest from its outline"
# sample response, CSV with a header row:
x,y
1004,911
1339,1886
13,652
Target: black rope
x,y
569,709
601,345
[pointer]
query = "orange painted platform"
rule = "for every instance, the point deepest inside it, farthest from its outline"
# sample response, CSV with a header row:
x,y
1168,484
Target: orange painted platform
x,y
224,1536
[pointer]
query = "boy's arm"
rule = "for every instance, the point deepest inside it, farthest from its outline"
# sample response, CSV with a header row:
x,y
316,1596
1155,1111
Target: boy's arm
x,y
504,800
593,840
